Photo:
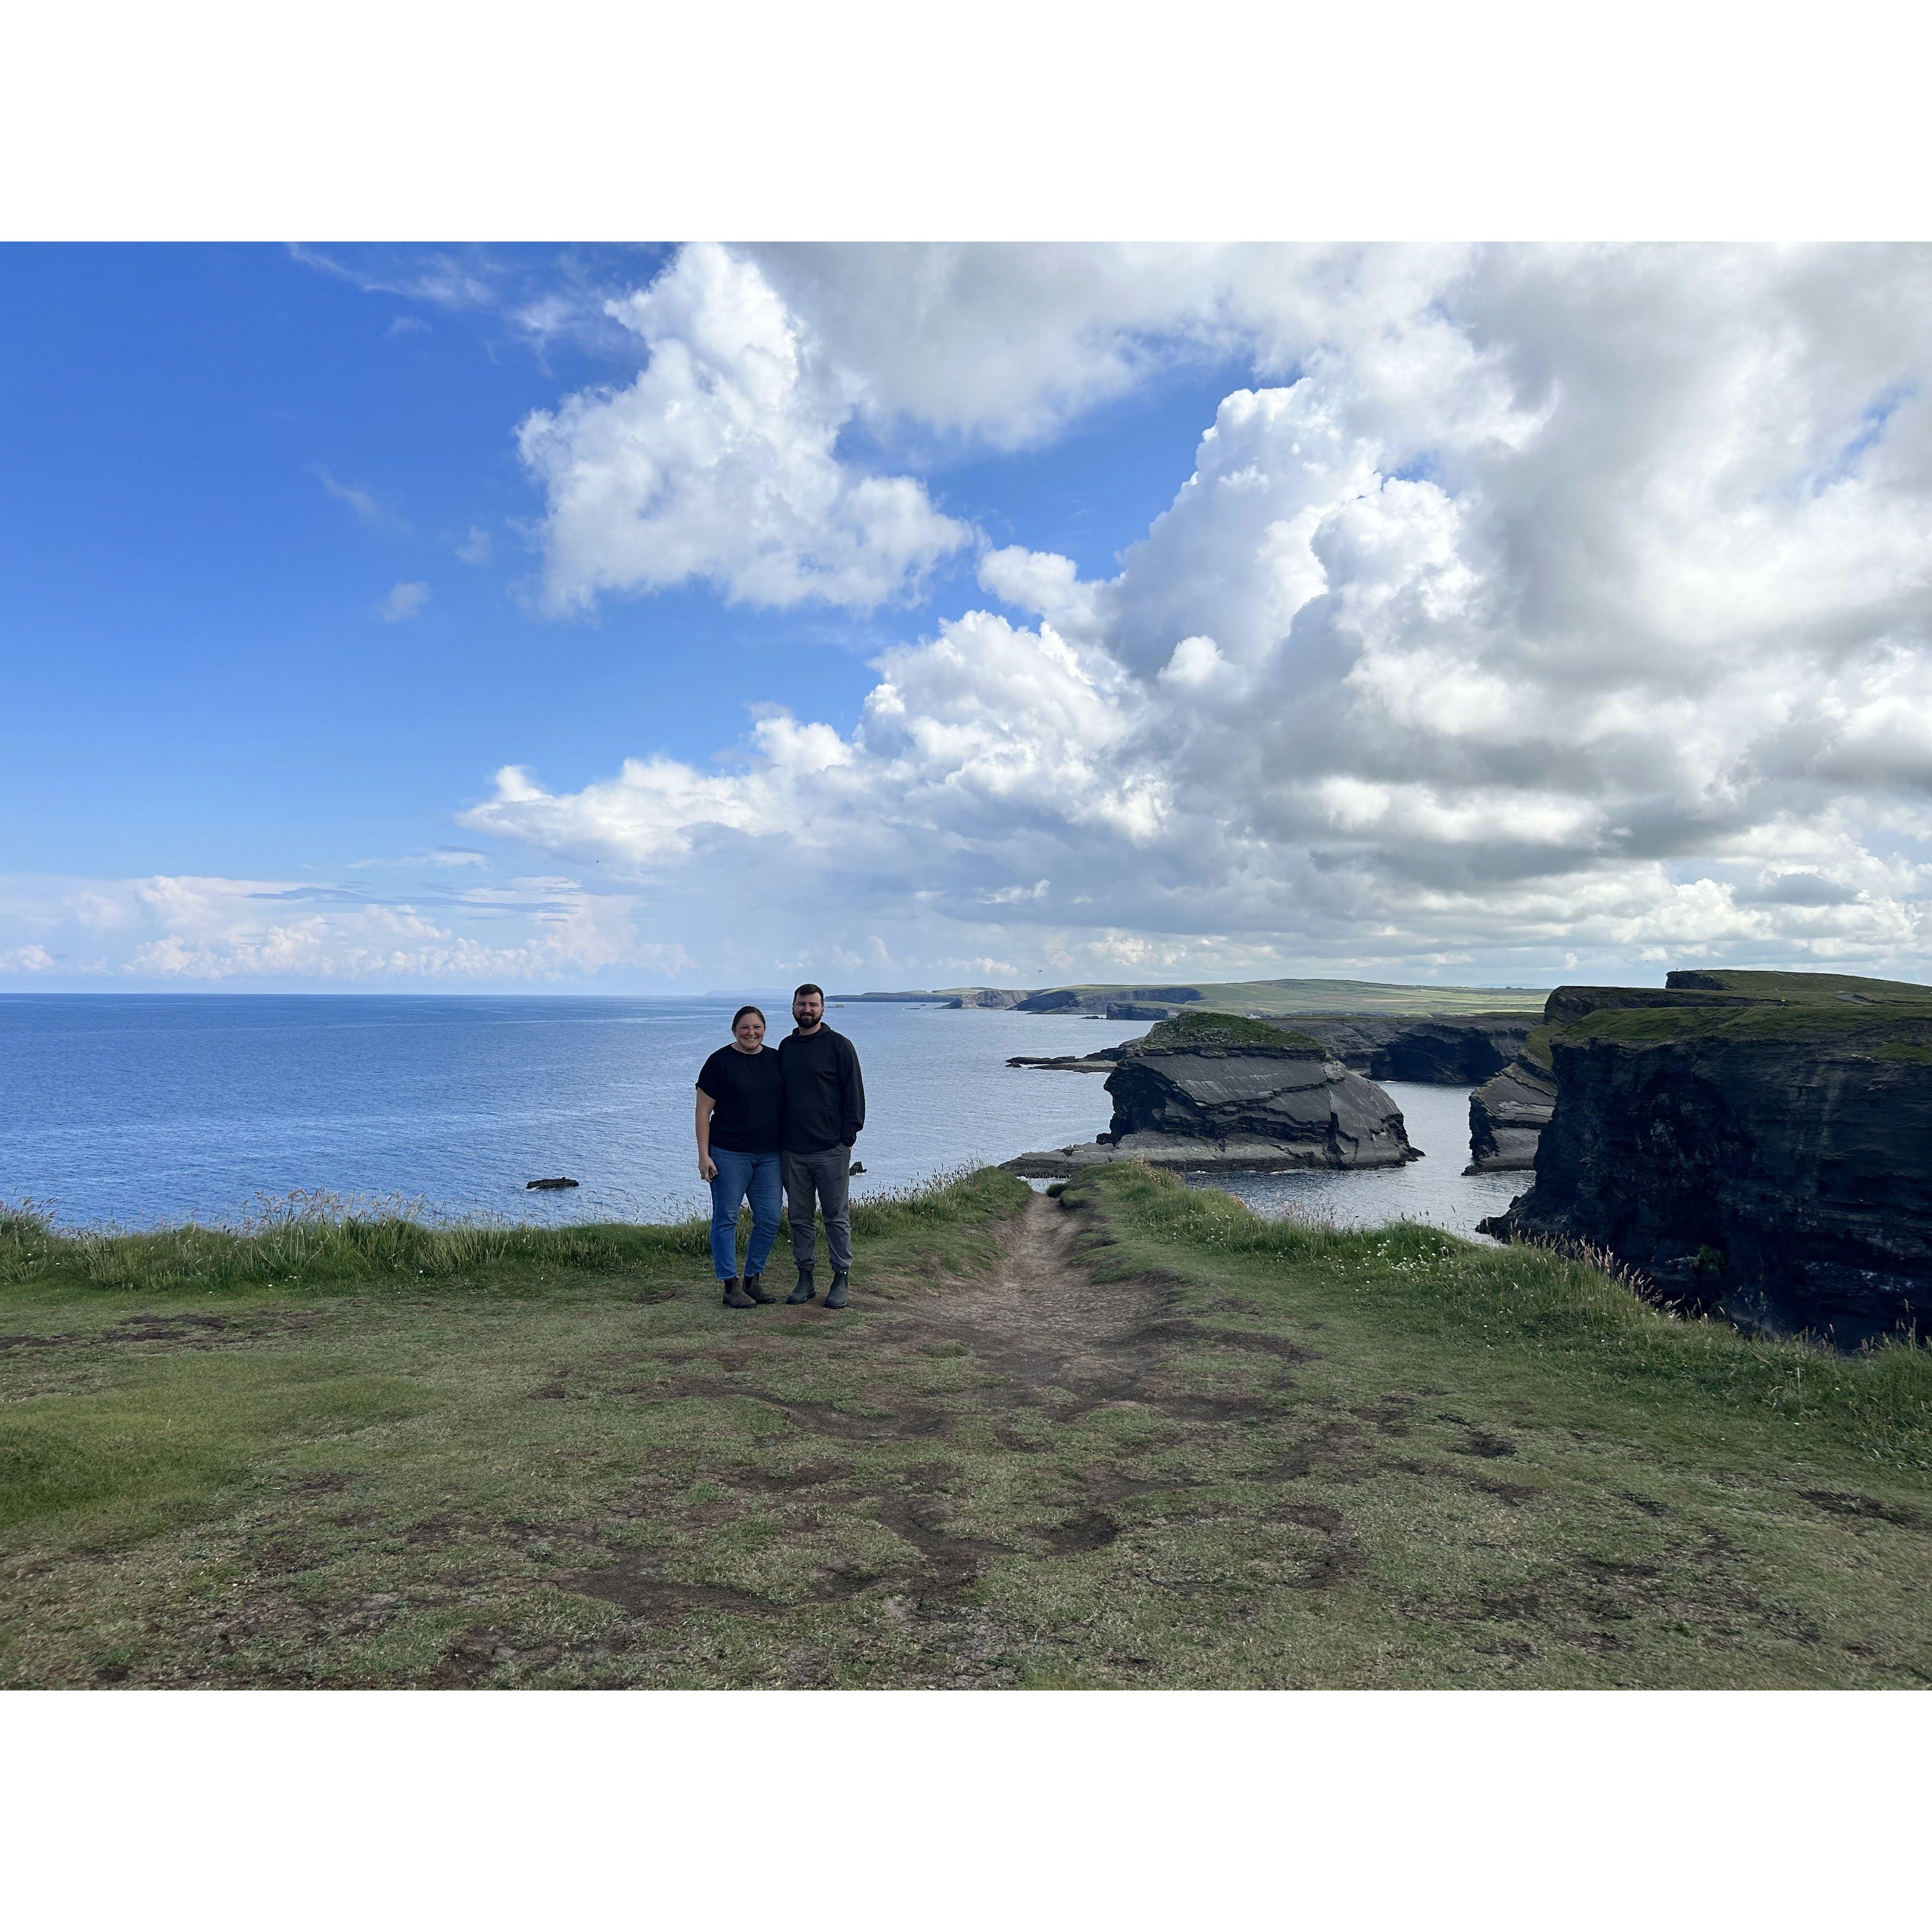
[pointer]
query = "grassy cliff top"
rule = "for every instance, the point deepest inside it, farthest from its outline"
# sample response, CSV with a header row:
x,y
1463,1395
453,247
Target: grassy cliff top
x,y
1900,1030
1186,1033
1887,1018
1845,986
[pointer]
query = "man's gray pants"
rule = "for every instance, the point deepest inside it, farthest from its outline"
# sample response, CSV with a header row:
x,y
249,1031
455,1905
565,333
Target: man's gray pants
x,y
825,1178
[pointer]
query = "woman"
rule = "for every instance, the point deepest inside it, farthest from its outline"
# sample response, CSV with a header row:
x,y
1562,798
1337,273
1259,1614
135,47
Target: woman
x,y
740,1130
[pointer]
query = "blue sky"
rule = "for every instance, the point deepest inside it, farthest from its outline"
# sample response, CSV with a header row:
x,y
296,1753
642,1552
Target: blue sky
x,y
194,614
996,613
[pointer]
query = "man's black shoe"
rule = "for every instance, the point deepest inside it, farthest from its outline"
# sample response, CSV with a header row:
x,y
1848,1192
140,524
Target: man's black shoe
x,y
834,1296
806,1288
754,1286
735,1296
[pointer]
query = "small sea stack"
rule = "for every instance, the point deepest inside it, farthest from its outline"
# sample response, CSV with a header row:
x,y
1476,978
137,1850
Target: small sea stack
x,y
1214,1094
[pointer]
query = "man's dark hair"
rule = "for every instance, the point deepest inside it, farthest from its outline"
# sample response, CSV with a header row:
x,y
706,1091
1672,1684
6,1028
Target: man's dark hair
x,y
742,1011
800,992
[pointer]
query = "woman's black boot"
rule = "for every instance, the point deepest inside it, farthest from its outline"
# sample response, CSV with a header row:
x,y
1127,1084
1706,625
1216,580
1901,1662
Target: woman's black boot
x,y
735,1296
754,1286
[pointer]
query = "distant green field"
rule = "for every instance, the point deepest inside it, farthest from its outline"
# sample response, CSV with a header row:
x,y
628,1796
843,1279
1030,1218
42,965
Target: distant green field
x,y
1285,996
1367,996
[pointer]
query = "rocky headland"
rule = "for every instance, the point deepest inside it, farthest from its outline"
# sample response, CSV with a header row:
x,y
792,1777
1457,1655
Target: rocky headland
x,y
1758,1145
1214,1094
1444,1051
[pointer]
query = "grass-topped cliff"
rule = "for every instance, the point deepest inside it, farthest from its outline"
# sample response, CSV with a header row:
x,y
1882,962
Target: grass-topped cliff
x,y
1888,1018
1755,1143
1797,985
1194,1033
1134,1436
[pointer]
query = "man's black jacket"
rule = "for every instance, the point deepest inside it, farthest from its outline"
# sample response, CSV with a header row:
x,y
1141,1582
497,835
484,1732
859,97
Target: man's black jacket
x,y
825,1099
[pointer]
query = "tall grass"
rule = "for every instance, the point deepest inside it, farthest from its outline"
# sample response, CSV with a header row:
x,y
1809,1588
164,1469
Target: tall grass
x,y
324,1241
1562,1307
304,1240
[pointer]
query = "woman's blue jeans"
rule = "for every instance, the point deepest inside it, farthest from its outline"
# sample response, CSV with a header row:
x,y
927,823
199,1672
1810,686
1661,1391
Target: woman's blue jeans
x,y
738,1175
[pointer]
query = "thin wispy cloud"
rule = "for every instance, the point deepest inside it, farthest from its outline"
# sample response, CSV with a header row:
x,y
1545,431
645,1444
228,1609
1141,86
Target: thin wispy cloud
x,y
368,508
404,600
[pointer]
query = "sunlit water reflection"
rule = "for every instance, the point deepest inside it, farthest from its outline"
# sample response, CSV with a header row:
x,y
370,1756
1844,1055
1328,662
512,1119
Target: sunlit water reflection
x,y
1434,1189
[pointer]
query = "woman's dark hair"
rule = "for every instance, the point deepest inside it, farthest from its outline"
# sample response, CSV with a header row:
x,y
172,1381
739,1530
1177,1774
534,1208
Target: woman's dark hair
x,y
740,1014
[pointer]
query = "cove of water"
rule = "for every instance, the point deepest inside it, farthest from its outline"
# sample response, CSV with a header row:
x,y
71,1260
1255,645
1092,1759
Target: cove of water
x,y
137,1111
1434,1189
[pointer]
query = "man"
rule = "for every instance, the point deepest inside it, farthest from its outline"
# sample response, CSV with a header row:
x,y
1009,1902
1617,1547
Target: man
x,y
824,1109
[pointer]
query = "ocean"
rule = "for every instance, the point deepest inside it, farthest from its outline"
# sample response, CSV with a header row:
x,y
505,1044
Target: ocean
x,y
133,1110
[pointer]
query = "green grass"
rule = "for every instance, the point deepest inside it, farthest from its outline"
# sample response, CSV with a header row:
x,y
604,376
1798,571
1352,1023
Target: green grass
x,y
1342,998
1799,985
1334,999
1187,1032
1522,1317
1898,1030
1198,1450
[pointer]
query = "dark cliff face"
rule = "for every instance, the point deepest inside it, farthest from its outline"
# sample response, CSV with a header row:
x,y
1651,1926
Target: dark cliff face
x,y
1768,1160
1230,1081
1508,1114
1437,1052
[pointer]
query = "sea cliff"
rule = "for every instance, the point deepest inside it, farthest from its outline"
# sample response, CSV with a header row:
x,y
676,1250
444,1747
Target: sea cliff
x,y
1216,1093
1758,1145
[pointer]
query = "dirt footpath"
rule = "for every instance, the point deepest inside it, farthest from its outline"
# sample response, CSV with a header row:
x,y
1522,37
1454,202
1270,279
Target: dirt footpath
x,y
1039,1402
1021,1476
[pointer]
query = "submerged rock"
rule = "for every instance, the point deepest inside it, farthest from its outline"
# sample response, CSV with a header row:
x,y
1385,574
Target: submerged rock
x,y
1758,1145
1217,1094
1101,1061
560,1181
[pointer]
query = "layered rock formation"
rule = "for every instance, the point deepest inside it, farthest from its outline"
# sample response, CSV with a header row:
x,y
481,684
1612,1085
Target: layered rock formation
x,y
1152,1003
1455,1050
1435,1051
1210,1093
1508,1113
1759,1145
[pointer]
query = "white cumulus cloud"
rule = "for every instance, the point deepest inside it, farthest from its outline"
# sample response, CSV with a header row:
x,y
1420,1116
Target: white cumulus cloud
x,y
720,462
1532,605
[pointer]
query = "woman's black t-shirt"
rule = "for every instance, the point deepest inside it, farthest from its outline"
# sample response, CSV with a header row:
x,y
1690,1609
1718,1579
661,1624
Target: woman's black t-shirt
x,y
750,1093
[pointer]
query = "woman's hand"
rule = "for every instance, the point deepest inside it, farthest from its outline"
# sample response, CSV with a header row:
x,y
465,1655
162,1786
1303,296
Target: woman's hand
x,y
707,1168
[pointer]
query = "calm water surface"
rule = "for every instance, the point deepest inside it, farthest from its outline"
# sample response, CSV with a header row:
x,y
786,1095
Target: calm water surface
x,y
137,1110
1434,1189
